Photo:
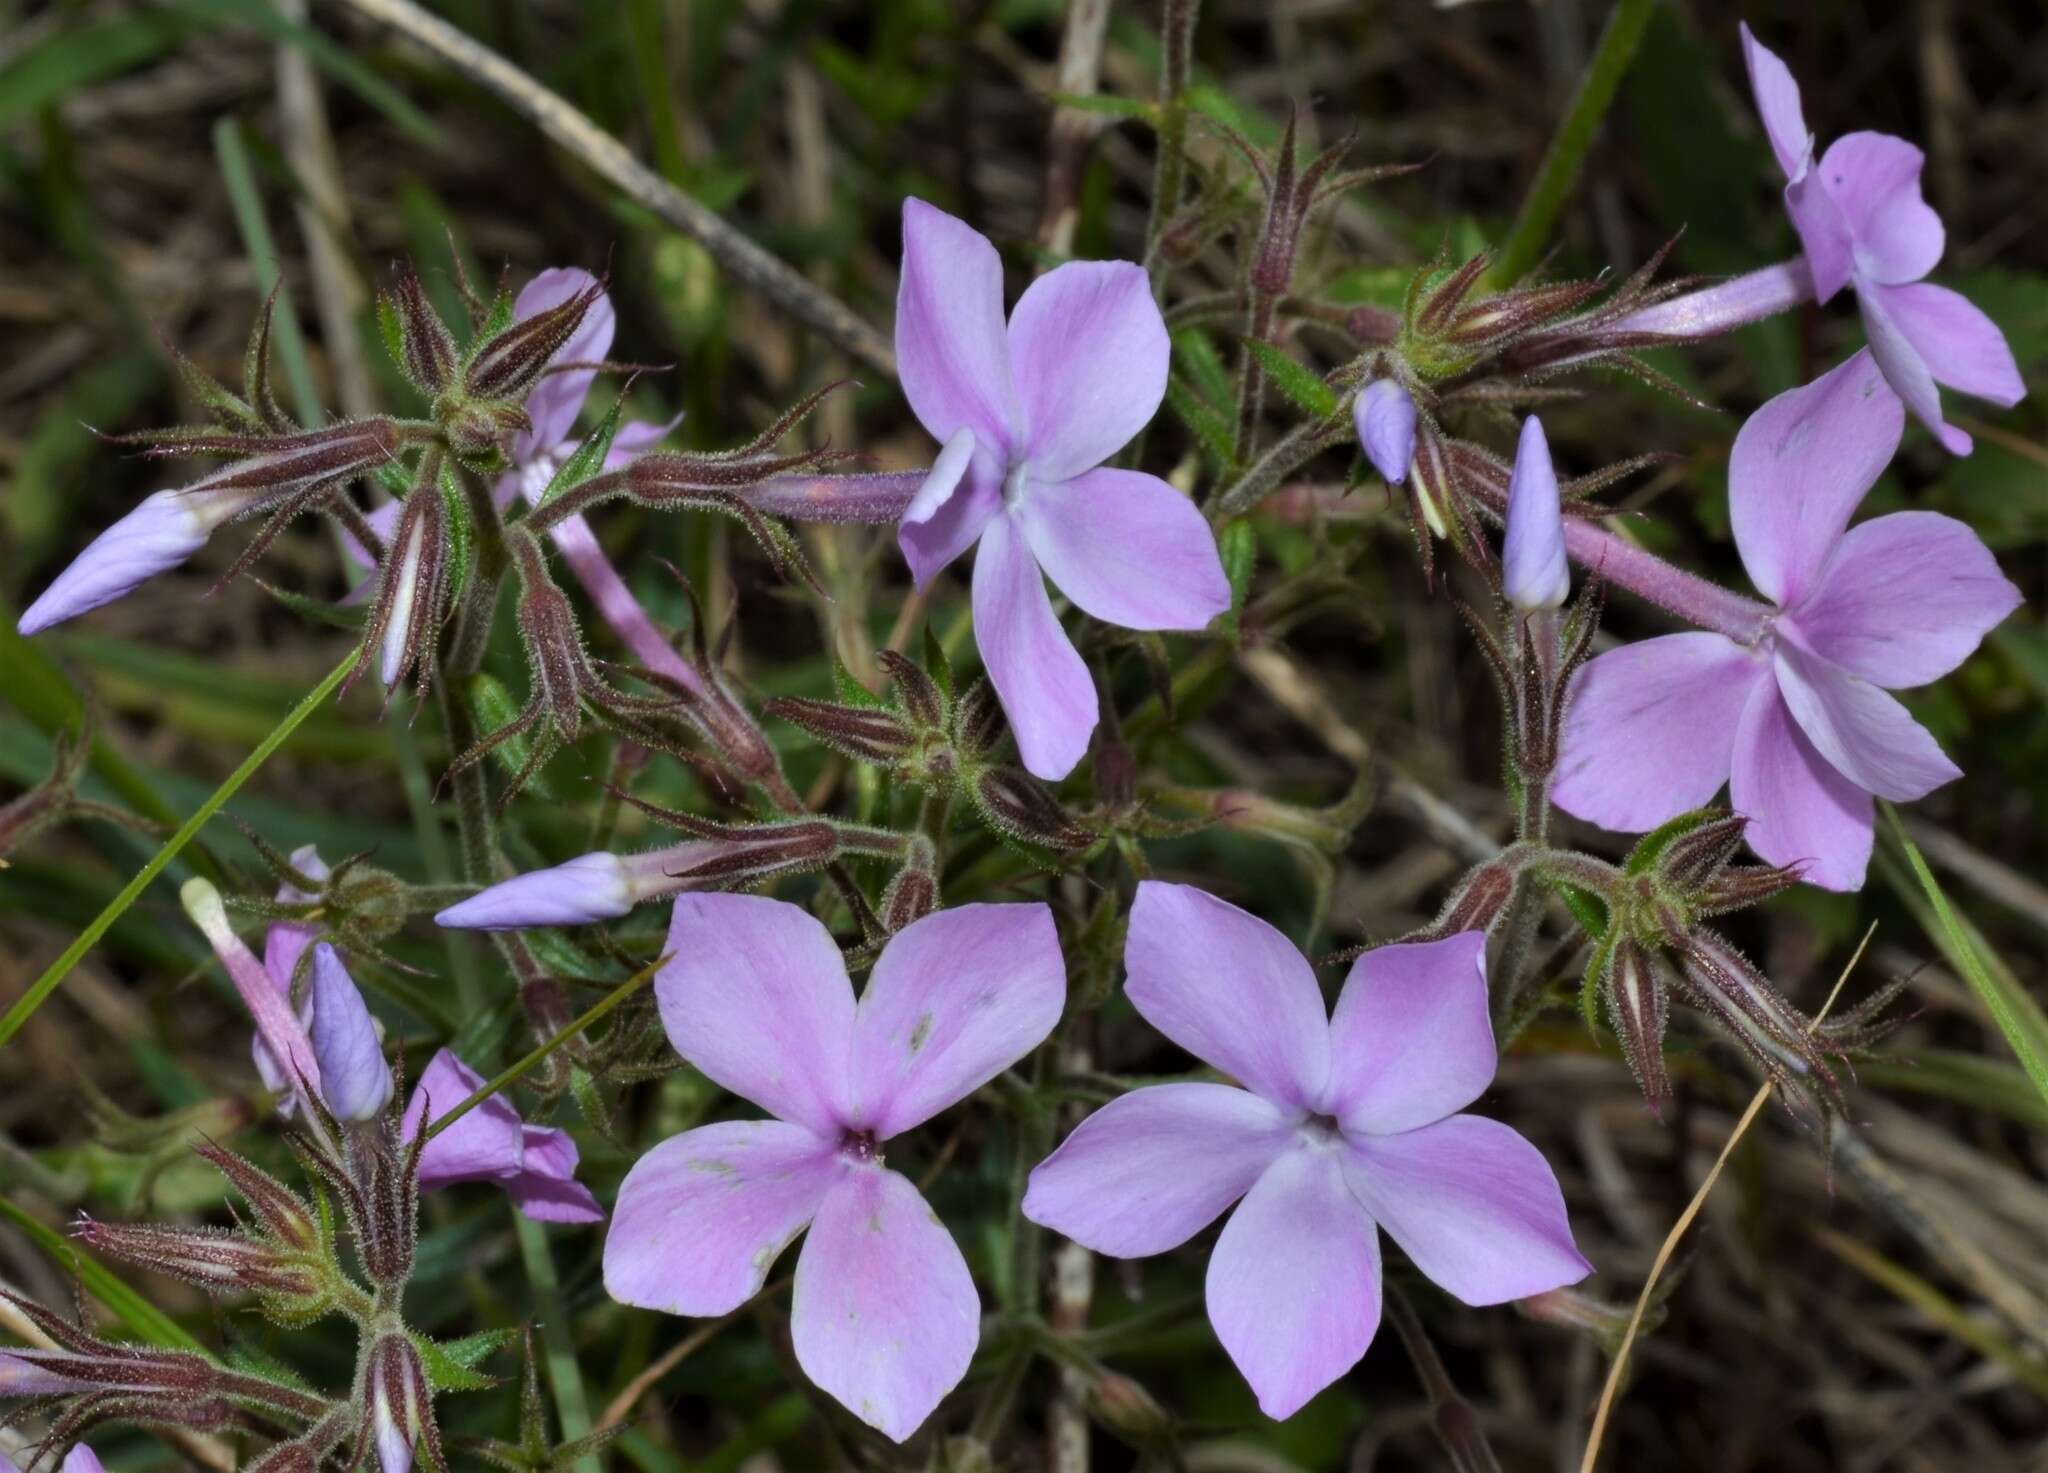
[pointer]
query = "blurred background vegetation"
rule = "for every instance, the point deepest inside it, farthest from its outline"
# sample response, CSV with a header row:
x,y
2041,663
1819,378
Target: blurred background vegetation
x,y
161,164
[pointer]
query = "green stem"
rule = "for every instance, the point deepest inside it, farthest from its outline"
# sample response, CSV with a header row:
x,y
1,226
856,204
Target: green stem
x,y
596,1012
43,986
572,1406
1616,48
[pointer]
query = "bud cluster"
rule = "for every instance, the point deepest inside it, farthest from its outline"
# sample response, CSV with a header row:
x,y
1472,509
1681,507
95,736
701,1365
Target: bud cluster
x,y
1648,923
928,738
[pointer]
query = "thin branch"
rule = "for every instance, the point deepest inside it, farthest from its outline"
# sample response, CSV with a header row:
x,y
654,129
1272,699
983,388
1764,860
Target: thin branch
x,y
575,133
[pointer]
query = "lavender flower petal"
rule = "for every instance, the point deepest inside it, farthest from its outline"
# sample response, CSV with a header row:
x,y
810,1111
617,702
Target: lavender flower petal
x,y
1294,1284
952,349
1801,810
1089,353
1474,1205
1651,728
1154,1167
1127,548
884,1317
1045,688
702,1217
1410,1040
954,999
1230,990
756,996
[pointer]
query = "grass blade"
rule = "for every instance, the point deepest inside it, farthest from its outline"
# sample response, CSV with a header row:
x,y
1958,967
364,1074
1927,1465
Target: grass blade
x,y
138,1314
39,990
2017,1015
1616,48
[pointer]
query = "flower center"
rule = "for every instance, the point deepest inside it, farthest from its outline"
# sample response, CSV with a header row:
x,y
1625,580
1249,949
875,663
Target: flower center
x,y
860,1145
1322,1129
1014,484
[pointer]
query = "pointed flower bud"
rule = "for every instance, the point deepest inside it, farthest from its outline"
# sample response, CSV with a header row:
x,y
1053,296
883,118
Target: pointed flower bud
x,y
158,535
1385,416
355,1080
293,1287
1636,1002
1015,803
1533,572
169,526
401,1414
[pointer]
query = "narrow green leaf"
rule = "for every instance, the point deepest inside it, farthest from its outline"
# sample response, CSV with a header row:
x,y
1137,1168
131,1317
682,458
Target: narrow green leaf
x,y
1206,424
1307,391
69,60
39,990
588,457
451,1364
1616,48
2017,1015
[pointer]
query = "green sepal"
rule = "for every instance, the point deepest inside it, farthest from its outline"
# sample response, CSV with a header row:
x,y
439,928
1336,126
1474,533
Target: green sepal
x,y
451,1364
588,458
461,531
1643,858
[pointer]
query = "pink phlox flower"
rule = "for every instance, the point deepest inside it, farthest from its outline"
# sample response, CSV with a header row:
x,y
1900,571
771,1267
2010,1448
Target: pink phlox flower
x,y
1862,221
1796,721
885,1316
1344,1124
1027,413
535,1164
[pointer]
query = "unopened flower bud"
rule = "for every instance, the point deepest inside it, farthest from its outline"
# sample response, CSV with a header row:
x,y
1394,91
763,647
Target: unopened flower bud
x,y
1017,804
280,1028
283,1214
355,1080
1384,414
294,1286
1474,906
913,891
169,526
409,597
161,533
400,1412
864,733
1533,571
1636,1003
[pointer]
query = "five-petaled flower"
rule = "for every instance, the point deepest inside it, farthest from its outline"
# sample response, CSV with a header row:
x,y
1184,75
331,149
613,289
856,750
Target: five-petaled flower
x,y
1795,718
885,1316
1345,1124
535,1164
1862,221
1027,414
